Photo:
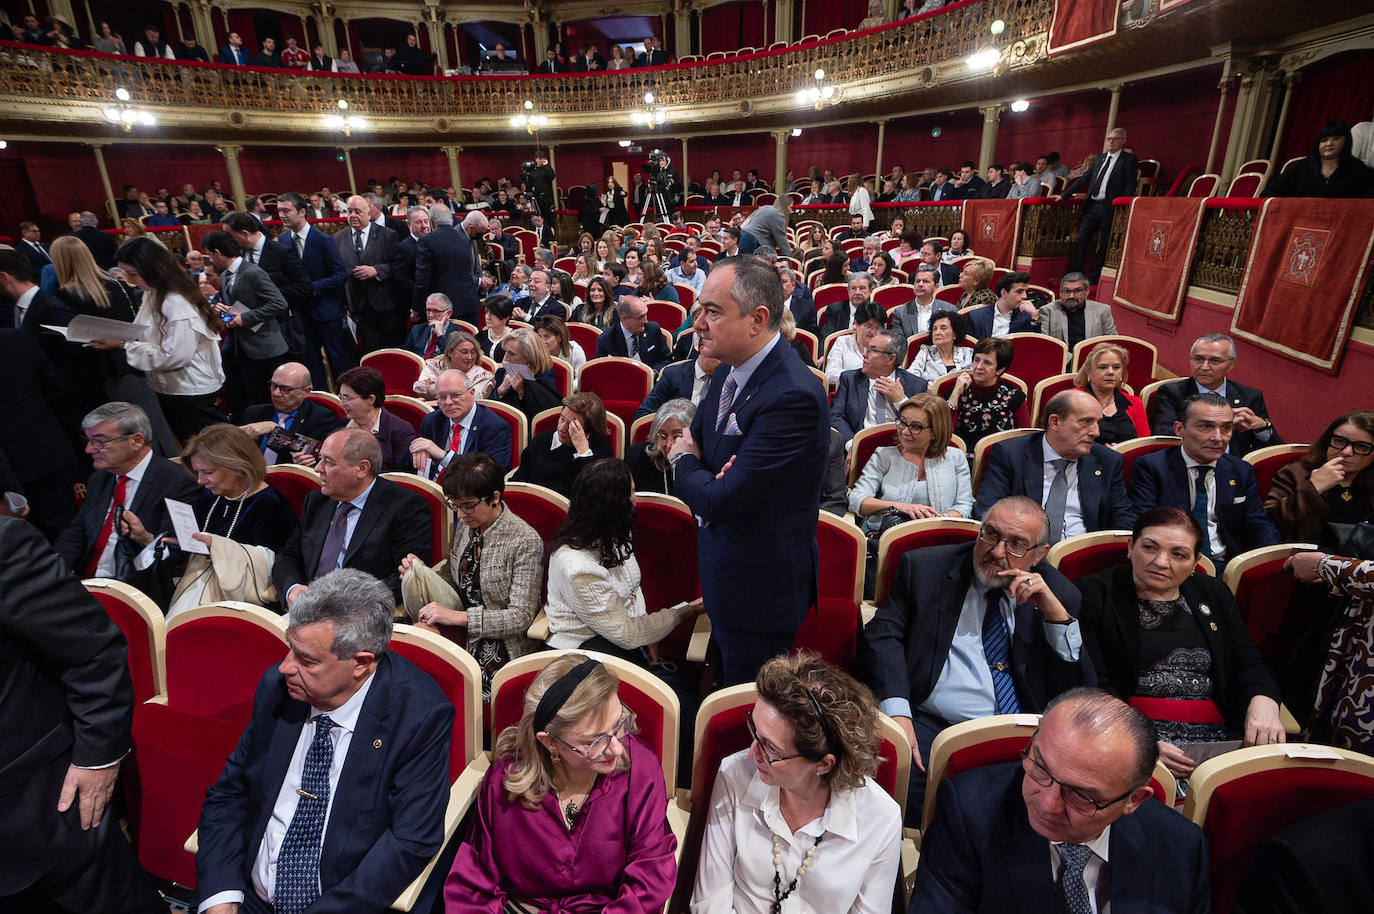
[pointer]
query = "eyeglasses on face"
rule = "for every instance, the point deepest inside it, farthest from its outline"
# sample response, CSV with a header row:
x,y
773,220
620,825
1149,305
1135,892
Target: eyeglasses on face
x,y
766,748
99,444
442,397
600,747
1360,448
877,350
1209,360
465,507
286,388
914,427
1074,798
990,537
665,437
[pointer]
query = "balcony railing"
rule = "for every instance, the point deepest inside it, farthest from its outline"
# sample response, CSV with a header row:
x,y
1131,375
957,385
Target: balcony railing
x,y
919,53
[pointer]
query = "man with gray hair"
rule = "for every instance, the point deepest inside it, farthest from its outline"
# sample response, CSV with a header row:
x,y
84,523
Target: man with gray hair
x,y
913,318
355,519
444,262
840,315
403,257
103,246
124,507
1074,317
340,722
367,249
869,395
1210,360
1112,174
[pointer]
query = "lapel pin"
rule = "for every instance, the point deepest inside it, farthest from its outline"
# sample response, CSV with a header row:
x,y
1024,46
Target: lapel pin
x,y
1232,481
1205,609
1097,472
1214,626
376,744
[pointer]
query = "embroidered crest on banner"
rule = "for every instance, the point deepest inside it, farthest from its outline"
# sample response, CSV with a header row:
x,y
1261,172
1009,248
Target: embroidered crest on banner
x,y
1158,245
990,222
1306,248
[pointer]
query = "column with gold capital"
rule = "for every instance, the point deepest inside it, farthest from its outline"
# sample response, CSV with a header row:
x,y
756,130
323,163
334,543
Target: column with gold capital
x,y
780,160
231,162
987,149
455,175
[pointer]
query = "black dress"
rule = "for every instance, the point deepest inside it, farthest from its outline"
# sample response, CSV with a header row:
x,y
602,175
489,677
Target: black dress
x,y
264,519
646,473
540,394
556,469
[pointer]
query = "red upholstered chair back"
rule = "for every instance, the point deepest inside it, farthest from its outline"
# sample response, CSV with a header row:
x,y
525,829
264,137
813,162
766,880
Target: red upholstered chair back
x,y
400,368
1143,356
1037,356
1183,179
1270,793
294,483
141,621
917,534
516,422
865,443
639,429
563,375
176,757
1045,391
1267,461
410,409
1079,556
217,654
440,517
1133,449
809,340
1204,185
665,538
1245,185
584,335
827,295
541,508
668,315
621,383
950,295
1264,594
894,296
686,296
458,677
852,247
831,628
328,401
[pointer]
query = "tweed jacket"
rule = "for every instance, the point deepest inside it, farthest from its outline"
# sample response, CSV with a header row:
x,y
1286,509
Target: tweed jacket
x,y
511,577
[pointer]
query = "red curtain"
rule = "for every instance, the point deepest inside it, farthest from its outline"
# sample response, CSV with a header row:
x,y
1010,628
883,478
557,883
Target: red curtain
x,y
1338,88
732,26
835,14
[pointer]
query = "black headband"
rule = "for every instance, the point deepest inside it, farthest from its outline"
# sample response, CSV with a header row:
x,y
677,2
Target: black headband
x,y
830,742
557,695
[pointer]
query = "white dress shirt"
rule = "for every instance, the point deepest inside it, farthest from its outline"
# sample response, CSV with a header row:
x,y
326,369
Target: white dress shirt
x,y
21,305
1213,536
843,356
1106,173
1073,507
345,718
855,864
1092,872
879,408
105,568
1001,323
700,382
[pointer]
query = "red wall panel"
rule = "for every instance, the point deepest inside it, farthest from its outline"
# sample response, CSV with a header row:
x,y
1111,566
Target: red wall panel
x,y
1338,88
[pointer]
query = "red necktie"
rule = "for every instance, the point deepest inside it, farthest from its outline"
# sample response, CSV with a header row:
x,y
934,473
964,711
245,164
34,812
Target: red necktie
x,y
431,345
455,444
107,528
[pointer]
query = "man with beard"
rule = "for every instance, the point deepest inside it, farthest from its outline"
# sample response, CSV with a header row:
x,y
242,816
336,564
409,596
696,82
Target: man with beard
x,y
975,629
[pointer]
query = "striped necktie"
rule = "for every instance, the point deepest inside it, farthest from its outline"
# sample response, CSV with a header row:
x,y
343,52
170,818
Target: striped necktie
x,y
727,399
997,651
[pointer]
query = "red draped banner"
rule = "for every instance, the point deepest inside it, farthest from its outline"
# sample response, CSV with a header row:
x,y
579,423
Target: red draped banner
x,y
994,228
1308,263
1161,236
1081,22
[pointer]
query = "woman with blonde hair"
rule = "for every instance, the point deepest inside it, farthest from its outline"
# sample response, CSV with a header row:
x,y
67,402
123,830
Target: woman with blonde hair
x,y
525,379
1104,375
974,281
572,815
461,353
655,283
585,268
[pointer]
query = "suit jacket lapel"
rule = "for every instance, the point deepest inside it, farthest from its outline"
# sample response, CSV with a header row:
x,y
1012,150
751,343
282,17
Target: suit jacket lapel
x,y
362,768
1028,876
1130,878
368,519
1033,467
1089,488
290,715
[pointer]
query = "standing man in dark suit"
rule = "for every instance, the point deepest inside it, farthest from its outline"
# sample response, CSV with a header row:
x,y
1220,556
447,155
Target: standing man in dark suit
x,y
460,425
1013,312
34,443
403,258
1111,175
975,629
255,345
869,395
1015,837
287,272
750,469
355,520
66,706
84,225
539,186
1210,360
334,798
443,262
685,380
32,307
1199,477
366,250
124,495
32,247
634,336
323,315
289,409
1078,482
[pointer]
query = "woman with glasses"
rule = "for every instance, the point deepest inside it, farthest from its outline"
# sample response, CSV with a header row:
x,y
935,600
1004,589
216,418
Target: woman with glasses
x,y
798,815
362,391
648,460
594,600
496,567
870,319
923,476
1103,375
572,815
943,353
461,353
1170,641
1321,497
556,457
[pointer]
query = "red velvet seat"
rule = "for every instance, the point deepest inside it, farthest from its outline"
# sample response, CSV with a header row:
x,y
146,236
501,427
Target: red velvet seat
x,y
1088,553
1264,594
621,383
866,441
639,429
440,517
328,401
831,627
411,409
585,335
216,655
1037,356
517,423
1267,461
1133,449
829,294
668,315
563,375
141,621
458,677
1142,362
293,482
917,534
950,294
541,508
400,368
1045,391
894,296
665,537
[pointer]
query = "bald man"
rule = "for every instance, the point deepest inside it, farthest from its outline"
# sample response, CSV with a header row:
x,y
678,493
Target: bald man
x,y
366,250
289,410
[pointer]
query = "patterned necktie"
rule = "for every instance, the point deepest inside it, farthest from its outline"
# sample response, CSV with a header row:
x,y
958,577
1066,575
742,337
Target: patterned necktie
x,y
300,247
996,649
1071,895
727,399
1058,502
334,540
107,528
634,345
358,246
1200,507
298,863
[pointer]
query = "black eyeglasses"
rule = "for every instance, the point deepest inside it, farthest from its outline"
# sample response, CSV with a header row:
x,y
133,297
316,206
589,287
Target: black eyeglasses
x,y
1360,448
914,427
1074,798
765,748
466,507
598,748
285,389
100,444
990,537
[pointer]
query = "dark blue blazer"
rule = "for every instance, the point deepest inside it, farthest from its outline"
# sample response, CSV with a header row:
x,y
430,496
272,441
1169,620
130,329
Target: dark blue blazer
x,y
803,307
443,263
418,338
403,271
851,399
908,640
388,808
653,351
981,854
1017,467
1167,407
1161,478
326,271
981,321
676,381
238,56
489,435
756,547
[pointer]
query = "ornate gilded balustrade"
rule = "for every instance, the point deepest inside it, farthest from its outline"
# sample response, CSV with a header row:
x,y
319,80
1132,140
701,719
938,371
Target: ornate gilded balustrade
x,y
1222,246
924,54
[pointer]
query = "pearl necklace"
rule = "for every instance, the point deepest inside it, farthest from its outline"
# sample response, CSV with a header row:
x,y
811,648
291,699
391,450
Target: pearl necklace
x,y
228,534
779,896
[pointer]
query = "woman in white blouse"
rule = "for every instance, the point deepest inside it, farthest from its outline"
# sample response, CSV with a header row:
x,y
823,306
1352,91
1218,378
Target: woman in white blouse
x,y
870,318
594,600
942,354
796,821
179,354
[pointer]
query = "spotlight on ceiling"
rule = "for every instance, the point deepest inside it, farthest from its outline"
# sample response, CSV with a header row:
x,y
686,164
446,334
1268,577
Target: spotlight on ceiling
x,y
1020,105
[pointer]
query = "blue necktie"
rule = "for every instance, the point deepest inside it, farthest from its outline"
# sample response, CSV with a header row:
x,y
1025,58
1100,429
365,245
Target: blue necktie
x,y
996,649
1200,508
1072,894
298,863
727,399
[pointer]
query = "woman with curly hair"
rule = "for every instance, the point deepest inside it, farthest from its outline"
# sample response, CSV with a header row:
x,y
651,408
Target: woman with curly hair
x,y
798,814
572,815
594,598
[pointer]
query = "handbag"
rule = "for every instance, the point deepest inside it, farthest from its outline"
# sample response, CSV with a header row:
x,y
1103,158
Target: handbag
x,y
1353,541
891,517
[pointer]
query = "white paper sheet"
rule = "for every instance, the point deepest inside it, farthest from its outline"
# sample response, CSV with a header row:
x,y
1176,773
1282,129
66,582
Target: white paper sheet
x,y
185,524
87,327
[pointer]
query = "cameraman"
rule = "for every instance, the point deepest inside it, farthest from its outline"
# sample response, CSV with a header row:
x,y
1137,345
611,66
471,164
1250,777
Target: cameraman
x,y
539,178
664,186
